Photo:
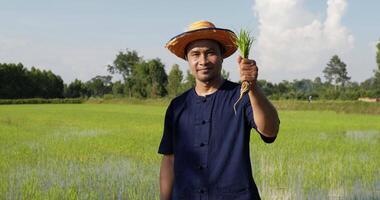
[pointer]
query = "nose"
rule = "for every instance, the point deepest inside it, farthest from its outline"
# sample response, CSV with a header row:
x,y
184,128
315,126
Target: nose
x,y
203,60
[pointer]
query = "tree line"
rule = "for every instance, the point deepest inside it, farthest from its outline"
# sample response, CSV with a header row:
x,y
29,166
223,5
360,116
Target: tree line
x,y
148,79
18,82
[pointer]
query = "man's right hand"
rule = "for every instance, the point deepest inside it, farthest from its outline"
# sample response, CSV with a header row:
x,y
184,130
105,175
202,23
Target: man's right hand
x,y
166,177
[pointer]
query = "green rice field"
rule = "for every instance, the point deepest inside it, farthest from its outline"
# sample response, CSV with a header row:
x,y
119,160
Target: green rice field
x,y
109,151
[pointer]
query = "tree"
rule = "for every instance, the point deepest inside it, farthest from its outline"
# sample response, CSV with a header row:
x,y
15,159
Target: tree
x,y
303,86
99,85
124,64
158,78
336,71
118,88
148,79
76,89
317,81
225,74
106,80
376,84
44,84
190,80
378,55
18,82
266,87
284,87
175,81
13,81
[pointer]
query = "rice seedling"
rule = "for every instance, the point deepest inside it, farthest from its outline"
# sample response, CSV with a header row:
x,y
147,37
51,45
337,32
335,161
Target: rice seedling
x,y
109,151
244,42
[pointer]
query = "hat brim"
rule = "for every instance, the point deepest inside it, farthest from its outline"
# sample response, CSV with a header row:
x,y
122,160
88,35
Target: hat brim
x,y
225,37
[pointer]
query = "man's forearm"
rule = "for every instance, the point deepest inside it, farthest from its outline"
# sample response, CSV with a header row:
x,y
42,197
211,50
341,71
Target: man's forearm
x,y
265,114
166,177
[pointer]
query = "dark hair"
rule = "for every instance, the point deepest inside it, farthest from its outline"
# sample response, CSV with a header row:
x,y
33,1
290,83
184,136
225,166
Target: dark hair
x,y
221,47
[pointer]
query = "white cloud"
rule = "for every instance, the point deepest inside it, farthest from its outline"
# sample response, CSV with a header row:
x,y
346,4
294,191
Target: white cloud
x,y
294,43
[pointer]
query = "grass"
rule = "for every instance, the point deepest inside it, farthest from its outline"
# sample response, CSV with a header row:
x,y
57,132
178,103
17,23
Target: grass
x,y
320,155
328,105
108,151
357,107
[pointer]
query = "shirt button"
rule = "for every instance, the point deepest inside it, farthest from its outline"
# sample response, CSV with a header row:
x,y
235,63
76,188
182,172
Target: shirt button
x,y
202,144
204,99
203,121
200,167
202,191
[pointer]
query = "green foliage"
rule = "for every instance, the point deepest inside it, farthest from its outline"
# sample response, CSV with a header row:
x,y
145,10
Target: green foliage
x,y
45,84
109,151
157,77
336,71
303,89
190,80
19,82
13,81
357,107
124,63
266,87
41,101
108,96
99,86
375,87
225,74
378,55
76,89
142,78
148,79
175,81
118,89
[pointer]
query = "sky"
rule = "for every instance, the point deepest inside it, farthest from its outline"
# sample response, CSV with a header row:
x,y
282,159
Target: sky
x,y
294,39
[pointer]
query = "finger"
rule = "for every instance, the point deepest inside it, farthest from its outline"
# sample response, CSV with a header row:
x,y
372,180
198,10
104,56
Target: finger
x,y
239,58
248,61
247,78
249,67
249,75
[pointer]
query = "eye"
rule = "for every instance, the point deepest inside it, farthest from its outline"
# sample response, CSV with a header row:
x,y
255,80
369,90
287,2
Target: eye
x,y
194,54
211,52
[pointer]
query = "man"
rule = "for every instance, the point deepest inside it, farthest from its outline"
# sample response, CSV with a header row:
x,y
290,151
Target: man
x,y
205,144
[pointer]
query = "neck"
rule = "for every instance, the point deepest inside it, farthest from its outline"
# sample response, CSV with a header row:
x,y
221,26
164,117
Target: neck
x,y
206,88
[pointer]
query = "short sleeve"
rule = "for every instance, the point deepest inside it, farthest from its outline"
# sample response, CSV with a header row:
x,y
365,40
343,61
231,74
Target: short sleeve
x,y
251,121
166,145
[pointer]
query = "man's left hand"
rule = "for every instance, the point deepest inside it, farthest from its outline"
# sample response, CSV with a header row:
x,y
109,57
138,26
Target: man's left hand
x,y
248,70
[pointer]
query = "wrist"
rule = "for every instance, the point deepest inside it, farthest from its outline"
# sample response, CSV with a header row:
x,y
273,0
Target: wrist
x,y
253,86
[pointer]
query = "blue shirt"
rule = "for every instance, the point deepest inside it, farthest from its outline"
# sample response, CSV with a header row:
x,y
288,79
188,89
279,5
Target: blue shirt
x,y
210,144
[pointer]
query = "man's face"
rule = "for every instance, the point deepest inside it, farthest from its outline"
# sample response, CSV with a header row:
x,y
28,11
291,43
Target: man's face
x,y
205,60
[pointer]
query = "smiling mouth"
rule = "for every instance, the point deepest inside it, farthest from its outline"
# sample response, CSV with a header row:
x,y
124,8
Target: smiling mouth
x,y
203,69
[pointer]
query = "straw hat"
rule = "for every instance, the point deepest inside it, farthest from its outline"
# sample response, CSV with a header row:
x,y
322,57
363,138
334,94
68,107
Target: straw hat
x,y
203,30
